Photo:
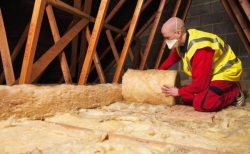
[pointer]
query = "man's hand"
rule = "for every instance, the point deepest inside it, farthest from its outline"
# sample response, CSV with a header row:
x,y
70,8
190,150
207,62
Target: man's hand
x,y
169,90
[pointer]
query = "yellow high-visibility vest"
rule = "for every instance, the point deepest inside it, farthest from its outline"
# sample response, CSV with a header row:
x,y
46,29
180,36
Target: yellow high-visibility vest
x,y
226,66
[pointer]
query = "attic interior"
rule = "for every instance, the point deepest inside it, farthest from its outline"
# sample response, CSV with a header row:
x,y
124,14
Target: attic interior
x,y
109,41
77,43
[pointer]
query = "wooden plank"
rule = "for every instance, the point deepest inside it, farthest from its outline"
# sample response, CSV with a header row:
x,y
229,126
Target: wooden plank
x,y
240,19
236,26
163,44
136,59
124,29
41,64
93,41
160,144
17,48
74,43
32,40
128,40
96,60
185,113
144,6
112,45
246,7
56,37
5,54
159,57
152,34
108,33
187,6
115,9
83,45
67,8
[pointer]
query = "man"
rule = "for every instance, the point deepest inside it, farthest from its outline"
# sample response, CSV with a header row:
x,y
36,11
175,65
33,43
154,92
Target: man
x,y
212,64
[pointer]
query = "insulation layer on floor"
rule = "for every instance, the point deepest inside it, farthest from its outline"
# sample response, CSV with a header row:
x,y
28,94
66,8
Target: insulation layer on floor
x,y
127,127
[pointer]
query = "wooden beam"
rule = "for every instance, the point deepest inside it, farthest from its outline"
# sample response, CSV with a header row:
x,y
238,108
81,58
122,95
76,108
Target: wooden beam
x,y
187,6
67,8
74,43
124,29
96,60
115,9
152,34
31,44
128,40
109,35
41,64
137,58
246,7
56,37
17,48
240,19
112,45
236,25
93,41
160,144
163,44
5,54
83,45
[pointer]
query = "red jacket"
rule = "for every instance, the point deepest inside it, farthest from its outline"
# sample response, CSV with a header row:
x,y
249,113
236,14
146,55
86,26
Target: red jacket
x,y
201,64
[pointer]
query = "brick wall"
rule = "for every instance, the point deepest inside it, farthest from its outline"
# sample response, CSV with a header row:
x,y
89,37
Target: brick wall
x,y
207,15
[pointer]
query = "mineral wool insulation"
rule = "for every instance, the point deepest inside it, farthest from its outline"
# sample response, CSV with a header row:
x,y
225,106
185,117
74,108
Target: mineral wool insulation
x,y
89,128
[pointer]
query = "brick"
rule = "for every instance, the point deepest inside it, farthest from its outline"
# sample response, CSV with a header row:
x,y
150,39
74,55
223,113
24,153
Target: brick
x,y
226,18
200,10
191,22
209,19
195,2
223,28
242,50
233,39
235,48
217,6
245,62
206,28
246,75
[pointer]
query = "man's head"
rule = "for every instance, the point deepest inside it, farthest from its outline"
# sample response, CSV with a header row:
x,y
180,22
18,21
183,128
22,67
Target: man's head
x,y
174,32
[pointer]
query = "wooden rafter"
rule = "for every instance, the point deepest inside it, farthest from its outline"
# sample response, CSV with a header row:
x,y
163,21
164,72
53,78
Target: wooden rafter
x,y
240,19
67,8
83,45
32,40
96,60
93,41
246,7
163,44
236,25
5,54
40,65
56,36
118,36
152,34
17,48
128,40
77,5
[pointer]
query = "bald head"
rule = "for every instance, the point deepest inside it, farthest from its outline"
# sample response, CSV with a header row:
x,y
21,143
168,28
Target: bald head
x,y
172,25
174,28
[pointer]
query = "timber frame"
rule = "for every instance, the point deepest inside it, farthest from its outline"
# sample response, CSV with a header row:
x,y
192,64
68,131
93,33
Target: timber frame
x,y
86,38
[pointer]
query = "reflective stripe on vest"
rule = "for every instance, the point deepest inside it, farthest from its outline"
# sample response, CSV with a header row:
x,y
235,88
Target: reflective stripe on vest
x,y
224,58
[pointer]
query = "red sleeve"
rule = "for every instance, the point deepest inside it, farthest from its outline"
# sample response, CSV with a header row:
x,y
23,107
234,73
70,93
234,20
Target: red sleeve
x,y
171,60
201,71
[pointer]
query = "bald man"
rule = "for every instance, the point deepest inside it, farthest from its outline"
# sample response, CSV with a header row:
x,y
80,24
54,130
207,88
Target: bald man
x,y
209,61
